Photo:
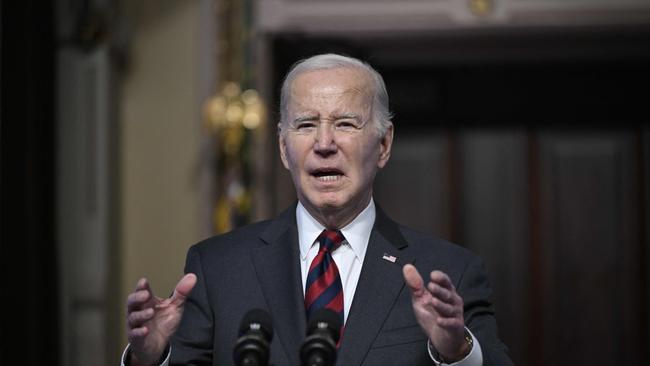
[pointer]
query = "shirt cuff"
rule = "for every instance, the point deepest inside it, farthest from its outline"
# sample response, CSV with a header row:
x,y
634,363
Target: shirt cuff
x,y
128,349
473,358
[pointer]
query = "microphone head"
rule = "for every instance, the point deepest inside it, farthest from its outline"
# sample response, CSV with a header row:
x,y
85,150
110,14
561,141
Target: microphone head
x,y
325,320
257,320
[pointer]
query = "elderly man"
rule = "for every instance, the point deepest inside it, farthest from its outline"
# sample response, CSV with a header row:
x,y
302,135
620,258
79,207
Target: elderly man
x,y
335,133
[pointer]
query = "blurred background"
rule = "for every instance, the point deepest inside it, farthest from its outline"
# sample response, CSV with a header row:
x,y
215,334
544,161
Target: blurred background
x,y
133,129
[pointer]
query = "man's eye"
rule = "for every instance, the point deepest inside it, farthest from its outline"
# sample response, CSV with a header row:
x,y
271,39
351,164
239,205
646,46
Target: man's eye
x,y
305,125
347,124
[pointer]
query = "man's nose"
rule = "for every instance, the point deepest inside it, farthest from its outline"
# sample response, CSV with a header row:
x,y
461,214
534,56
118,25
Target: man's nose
x,y
325,141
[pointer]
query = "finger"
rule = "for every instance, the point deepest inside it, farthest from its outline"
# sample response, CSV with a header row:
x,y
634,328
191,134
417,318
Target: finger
x,y
444,309
142,284
413,280
136,319
183,289
442,279
136,334
442,293
138,300
451,323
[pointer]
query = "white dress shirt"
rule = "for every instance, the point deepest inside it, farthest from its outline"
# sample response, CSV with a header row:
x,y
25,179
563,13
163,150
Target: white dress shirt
x,y
348,257
349,260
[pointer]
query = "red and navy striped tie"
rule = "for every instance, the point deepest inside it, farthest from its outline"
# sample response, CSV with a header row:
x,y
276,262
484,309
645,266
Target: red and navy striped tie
x,y
323,288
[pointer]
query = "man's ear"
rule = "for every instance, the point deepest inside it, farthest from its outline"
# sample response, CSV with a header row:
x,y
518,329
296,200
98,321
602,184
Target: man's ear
x,y
384,147
283,146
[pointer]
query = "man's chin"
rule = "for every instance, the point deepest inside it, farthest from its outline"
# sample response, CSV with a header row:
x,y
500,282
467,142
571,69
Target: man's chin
x,y
332,211
328,204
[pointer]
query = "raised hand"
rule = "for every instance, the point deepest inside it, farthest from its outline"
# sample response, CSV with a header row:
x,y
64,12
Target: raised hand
x,y
151,321
439,311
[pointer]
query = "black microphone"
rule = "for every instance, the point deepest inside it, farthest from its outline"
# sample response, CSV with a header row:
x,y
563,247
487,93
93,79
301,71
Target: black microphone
x,y
323,332
255,334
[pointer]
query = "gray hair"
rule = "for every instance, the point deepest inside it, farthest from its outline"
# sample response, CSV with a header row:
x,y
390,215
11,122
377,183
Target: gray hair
x,y
381,114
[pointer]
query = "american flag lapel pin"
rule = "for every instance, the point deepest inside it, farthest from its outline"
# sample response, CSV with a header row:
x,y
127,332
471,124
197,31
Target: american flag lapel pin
x,y
390,258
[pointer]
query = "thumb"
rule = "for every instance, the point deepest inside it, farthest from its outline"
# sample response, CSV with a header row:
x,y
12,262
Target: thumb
x,y
183,289
413,280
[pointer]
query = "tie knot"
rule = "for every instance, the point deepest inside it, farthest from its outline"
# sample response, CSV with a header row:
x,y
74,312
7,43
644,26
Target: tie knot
x,y
330,240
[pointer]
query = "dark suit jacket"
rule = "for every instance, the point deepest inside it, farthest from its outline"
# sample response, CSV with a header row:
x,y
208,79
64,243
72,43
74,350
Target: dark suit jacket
x,y
258,266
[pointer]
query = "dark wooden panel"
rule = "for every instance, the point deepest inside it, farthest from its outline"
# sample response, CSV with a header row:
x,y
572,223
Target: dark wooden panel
x,y
591,278
494,222
413,188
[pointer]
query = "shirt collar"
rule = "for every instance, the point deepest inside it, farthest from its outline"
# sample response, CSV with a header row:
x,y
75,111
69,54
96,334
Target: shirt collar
x,y
357,232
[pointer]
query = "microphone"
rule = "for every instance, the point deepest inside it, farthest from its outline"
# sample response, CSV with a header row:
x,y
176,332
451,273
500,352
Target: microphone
x,y
255,334
323,332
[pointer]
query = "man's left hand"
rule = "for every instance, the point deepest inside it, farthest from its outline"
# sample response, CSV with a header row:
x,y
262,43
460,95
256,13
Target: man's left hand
x,y
439,311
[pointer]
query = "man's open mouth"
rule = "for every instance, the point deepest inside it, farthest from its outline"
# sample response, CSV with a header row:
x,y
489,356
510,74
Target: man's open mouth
x,y
327,174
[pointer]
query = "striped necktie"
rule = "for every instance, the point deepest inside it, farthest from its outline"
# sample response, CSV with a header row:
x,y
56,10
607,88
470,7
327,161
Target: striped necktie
x,y
323,288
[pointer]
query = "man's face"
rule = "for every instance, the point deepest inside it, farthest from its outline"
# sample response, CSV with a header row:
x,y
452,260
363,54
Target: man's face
x,y
330,144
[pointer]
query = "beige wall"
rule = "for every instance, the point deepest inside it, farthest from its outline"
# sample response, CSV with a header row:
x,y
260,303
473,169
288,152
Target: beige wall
x,y
160,131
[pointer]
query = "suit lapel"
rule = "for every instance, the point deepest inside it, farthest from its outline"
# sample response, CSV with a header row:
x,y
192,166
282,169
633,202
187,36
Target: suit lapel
x,y
277,267
379,286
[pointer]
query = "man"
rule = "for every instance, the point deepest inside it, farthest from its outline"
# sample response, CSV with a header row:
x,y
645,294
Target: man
x,y
335,133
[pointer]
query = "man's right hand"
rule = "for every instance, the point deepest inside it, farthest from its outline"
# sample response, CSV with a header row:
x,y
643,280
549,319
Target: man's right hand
x,y
151,321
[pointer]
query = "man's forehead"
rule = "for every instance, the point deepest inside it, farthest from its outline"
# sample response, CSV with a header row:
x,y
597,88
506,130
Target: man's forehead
x,y
332,86
333,81
328,92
